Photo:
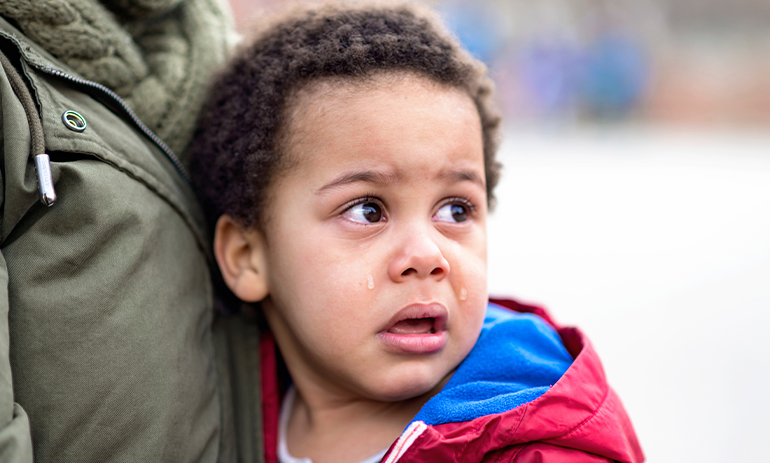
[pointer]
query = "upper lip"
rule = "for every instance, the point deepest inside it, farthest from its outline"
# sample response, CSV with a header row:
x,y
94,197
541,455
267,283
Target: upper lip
x,y
434,310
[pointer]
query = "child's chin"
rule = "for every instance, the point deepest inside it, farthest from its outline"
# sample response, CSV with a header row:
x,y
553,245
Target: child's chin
x,y
408,388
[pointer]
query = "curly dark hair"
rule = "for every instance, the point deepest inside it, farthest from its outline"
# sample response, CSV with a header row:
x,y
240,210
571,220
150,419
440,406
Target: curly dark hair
x,y
237,148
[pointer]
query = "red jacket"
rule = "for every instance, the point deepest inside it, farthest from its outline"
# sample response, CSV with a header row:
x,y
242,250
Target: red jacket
x,y
579,419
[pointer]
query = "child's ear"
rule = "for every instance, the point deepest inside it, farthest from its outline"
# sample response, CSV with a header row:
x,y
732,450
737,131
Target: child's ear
x,y
240,254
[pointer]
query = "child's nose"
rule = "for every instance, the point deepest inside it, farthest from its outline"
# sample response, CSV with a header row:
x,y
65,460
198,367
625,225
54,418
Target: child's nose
x,y
418,256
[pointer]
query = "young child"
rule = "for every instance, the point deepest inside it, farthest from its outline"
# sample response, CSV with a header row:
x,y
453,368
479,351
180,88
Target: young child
x,y
347,160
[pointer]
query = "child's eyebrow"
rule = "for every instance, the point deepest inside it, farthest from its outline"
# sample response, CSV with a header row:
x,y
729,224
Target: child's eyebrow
x,y
462,175
366,176
381,178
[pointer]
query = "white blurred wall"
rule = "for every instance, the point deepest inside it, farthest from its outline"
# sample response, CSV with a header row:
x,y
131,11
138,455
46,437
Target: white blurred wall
x,y
657,244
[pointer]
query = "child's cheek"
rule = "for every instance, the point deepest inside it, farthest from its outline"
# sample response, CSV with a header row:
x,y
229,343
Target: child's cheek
x,y
468,272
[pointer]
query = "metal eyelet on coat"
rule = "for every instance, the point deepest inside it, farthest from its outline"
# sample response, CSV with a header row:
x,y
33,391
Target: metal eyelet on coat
x,y
74,121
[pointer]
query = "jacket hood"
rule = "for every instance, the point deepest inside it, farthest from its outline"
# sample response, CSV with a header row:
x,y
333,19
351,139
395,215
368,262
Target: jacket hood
x,y
579,413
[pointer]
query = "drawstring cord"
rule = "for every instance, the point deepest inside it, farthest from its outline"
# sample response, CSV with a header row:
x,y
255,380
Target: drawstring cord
x,y
42,161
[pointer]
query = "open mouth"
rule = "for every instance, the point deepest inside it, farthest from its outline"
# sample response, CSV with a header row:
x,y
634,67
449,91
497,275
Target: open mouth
x,y
417,329
418,319
414,326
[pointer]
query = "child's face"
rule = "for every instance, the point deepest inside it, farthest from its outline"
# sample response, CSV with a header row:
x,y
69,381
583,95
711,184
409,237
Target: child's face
x,y
374,251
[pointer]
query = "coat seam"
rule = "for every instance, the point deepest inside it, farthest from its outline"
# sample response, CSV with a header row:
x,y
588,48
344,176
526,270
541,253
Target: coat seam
x,y
518,452
467,443
585,421
518,423
512,433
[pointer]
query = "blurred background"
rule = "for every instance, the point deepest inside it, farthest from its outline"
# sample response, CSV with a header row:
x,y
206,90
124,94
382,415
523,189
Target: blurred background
x,y
635,200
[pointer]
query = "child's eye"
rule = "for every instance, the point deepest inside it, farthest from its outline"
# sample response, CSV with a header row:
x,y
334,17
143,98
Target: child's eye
x,y
453,212
364,212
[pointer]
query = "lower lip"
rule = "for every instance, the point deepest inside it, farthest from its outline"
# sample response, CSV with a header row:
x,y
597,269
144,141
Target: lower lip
x,y
429,343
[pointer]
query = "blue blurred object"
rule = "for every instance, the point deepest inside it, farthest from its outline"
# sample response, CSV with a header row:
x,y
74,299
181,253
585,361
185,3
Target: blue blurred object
x,y
549,70
476,26
615,75
558,73
605,79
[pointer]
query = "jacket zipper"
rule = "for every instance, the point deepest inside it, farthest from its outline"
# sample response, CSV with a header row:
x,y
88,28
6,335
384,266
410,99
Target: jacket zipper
x,y
126,109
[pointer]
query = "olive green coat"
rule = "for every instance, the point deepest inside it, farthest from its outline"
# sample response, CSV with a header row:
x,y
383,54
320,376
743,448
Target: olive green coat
x,y
106,346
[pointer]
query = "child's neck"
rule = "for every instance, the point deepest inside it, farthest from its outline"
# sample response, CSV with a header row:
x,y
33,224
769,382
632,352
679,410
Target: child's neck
x,y
325,428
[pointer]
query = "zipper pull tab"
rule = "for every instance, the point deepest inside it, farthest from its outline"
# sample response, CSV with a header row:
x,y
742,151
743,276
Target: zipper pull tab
x,y
44,179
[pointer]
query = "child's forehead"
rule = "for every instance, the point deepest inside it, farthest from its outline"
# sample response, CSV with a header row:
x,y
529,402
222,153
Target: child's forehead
x,y
337,127
335,101
341,89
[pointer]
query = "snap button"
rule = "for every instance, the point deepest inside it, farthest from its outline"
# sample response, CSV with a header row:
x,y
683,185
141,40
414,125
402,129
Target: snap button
x,y
74,121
